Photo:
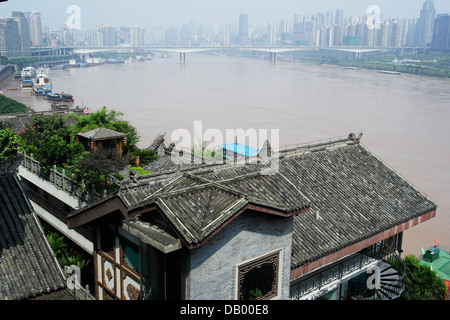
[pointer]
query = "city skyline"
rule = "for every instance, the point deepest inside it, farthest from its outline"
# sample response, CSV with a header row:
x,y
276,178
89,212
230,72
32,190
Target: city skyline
x,y
175,13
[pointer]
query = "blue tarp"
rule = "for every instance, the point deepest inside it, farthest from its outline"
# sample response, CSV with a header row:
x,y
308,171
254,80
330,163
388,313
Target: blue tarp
x,y
240,149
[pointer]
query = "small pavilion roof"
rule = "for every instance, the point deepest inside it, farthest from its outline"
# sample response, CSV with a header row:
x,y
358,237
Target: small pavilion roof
x,y
102,134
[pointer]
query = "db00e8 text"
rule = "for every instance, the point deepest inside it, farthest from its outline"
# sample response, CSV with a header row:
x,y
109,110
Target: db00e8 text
x,y
246,309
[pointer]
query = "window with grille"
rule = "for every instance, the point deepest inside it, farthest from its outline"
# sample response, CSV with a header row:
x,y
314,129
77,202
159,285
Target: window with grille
x,y
259,279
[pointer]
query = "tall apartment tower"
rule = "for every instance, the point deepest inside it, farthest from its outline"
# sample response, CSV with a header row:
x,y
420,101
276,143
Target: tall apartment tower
x,y
10,44
136,36
243,30
424,31
227,36
109,36
35,24
339,18
441,34
271,34
24,32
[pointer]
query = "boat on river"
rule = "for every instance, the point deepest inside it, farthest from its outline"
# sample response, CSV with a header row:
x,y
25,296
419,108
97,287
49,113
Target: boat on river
x,y
390,72
116,60
66,97
42,83
27,84
27,75
53,97
59,106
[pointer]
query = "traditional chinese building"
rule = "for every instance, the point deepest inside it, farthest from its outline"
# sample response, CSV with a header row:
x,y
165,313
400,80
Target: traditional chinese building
x,y
311,229
101,136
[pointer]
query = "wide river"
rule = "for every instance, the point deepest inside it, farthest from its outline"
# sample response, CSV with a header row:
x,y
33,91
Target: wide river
x,y
405,119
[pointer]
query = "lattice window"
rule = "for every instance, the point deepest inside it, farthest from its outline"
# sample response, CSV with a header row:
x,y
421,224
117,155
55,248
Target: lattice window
x,y
259,279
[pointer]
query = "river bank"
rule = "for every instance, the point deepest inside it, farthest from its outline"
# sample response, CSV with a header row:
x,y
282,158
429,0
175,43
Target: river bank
x,y
435,65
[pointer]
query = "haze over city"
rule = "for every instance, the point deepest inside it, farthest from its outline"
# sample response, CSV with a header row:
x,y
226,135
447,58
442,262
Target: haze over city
x,y
176,12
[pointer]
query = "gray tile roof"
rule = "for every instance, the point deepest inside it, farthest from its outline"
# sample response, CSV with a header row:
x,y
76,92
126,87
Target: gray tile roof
x,y
197,203
28,268
351,195
101,134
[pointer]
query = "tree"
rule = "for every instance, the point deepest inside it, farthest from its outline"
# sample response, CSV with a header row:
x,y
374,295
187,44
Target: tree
x,y
108,119
101,163
8,144
421,283
49,140
8,105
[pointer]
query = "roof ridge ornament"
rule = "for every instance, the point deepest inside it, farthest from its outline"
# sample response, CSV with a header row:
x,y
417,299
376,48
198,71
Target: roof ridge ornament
x,y
352,136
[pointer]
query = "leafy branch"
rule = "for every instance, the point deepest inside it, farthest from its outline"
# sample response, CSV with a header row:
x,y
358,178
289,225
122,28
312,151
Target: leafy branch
x,y
65,257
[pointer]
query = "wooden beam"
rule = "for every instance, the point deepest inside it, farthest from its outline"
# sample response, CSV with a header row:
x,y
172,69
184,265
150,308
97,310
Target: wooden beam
x,y
96,211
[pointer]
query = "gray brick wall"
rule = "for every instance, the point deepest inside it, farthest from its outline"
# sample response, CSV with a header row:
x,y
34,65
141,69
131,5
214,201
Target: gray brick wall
x,y
212,272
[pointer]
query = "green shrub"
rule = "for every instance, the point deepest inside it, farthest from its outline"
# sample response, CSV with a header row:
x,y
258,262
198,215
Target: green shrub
x,y
8,105
8,144
140,170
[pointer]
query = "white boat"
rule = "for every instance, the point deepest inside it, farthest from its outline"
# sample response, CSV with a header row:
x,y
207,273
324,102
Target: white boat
x,y
28,73
42,83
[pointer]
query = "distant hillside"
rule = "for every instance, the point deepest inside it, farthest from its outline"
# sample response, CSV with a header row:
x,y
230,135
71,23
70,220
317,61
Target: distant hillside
x,y
8,105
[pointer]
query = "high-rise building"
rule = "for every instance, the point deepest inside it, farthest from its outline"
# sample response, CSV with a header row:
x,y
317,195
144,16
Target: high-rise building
x,y
441,33
382,34
285,32
395,33
124,36
67,36
369,36
35,25
424,29
24,31
109,36
298,18
94,38
339,18
305,33
188,34
271,39
411,32
10,43
136,36
243,30
338,36
227,36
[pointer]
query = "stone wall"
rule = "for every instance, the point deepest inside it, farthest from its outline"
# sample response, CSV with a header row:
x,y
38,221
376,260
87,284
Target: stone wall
x,y
213,267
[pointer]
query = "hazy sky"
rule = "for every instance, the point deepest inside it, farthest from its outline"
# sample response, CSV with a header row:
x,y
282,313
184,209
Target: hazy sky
x,y
178,12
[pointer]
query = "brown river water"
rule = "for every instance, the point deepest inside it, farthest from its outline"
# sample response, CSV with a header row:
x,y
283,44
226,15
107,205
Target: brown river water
x,y
405,119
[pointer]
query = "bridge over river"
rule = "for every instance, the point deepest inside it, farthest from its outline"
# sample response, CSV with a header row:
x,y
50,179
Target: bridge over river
x,y
84,51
